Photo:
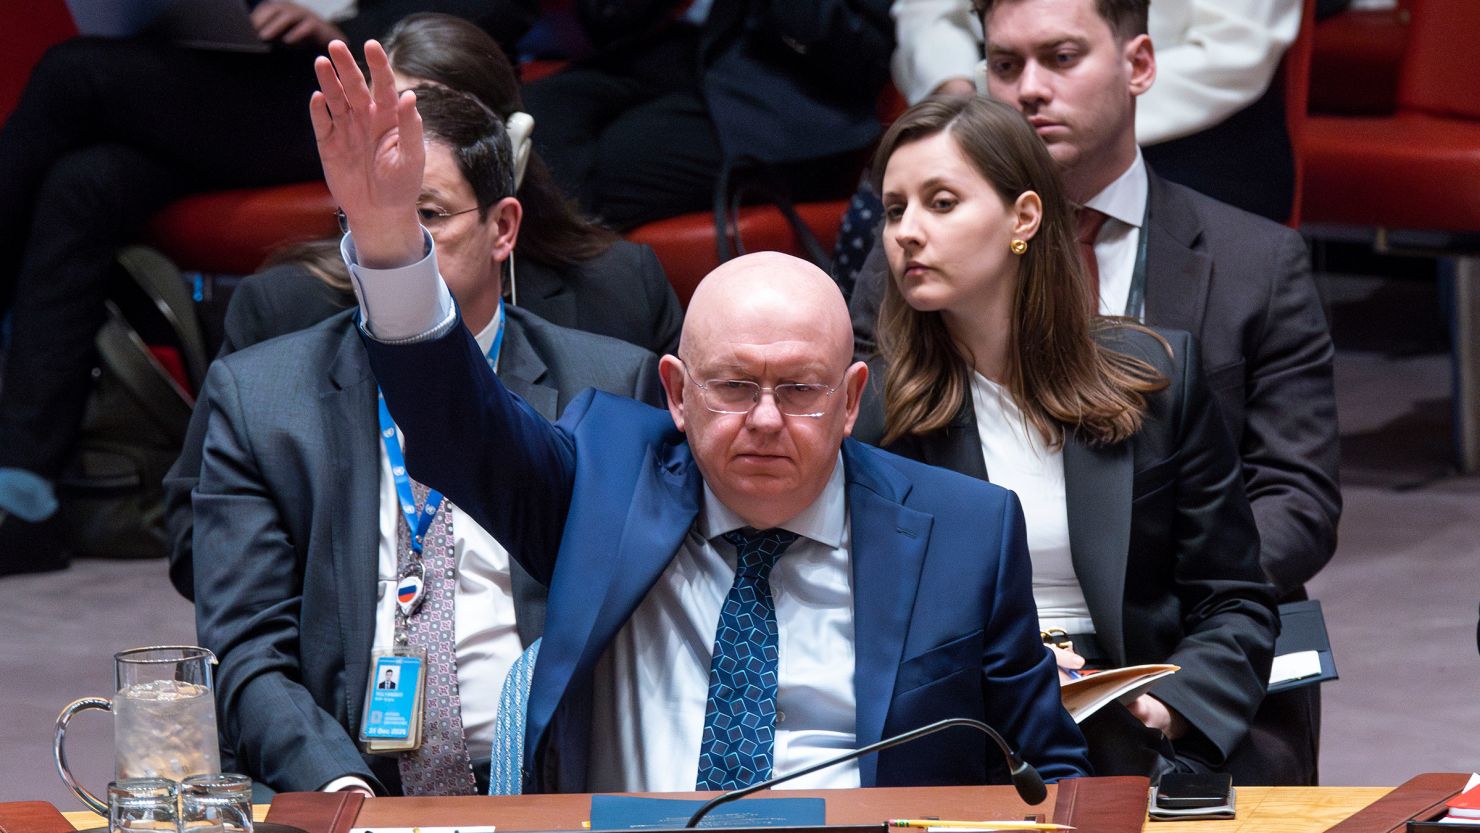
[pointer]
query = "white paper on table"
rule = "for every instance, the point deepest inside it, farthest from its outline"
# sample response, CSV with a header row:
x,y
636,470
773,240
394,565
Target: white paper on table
x,y
1294,666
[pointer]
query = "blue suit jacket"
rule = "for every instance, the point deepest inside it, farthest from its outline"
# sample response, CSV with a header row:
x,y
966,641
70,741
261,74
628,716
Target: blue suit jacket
x,y
596,505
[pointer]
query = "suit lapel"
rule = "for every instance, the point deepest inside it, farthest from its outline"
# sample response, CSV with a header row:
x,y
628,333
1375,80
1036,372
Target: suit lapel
x,y
889,541
665,501
1097,487
958,448
347,407
523,371
1177,273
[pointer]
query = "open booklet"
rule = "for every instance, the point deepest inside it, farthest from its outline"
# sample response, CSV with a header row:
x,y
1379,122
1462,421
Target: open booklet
x,y
1091,692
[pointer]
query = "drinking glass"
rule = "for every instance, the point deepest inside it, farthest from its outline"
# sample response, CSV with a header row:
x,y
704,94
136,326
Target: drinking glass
x,y
216,803
143,805
164,717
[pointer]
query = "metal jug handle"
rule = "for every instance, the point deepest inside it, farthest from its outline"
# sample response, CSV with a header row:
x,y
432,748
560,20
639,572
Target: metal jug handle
x,y
60,757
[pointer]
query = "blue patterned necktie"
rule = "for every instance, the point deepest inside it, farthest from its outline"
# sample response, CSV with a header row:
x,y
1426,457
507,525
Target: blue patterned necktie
x,y
740,717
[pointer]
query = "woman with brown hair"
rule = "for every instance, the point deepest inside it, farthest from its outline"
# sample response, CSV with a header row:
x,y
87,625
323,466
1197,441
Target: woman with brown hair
x,y
565,268
1142,543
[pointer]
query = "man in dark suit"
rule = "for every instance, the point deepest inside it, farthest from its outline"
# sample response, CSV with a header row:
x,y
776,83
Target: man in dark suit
x,y
1178,260
295,499
678,92
863,598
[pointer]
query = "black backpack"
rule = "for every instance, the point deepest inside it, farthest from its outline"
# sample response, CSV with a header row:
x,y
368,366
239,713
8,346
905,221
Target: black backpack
x,y
111,494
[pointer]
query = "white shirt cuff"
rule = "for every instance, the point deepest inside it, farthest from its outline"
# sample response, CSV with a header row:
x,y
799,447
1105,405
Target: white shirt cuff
x,y
402,305
346,782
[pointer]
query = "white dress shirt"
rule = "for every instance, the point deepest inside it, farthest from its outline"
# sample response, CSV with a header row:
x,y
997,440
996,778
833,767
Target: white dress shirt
x,y
658,666
1017,458
486,638
487,642
652,684
1124,202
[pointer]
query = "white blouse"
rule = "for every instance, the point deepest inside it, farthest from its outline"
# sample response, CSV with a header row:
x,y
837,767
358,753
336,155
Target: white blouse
x,y
1017,458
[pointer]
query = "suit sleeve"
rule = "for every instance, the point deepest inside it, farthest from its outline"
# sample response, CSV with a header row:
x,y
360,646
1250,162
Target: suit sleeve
x,y
1227,610
1020,680
503,463
939,40
249,591
1289,443
1219,63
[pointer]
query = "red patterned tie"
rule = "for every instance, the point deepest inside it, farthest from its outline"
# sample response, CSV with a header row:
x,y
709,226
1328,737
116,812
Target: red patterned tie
x,y
1087,222
441,766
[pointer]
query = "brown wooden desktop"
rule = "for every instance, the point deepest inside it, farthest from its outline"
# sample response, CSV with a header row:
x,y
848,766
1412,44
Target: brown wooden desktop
x,y
1260,809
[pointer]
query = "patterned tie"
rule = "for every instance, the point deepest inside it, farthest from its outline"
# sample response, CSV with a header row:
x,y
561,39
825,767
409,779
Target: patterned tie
x,y
740,717
441,766
1087,224
506,770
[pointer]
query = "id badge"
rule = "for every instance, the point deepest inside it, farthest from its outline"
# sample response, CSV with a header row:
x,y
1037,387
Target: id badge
x,y
394,700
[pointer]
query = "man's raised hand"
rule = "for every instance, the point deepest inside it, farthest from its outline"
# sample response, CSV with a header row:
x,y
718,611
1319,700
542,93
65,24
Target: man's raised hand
x,y
370,144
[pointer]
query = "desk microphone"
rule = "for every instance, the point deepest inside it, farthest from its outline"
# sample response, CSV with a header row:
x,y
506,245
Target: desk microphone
x,y
1025,779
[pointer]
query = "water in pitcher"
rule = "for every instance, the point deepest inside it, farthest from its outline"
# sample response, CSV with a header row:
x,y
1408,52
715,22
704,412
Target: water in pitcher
x,y
165,729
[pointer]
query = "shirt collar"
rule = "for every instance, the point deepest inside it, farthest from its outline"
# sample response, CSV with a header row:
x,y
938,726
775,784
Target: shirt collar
x,y
822,521
485,336
1125,198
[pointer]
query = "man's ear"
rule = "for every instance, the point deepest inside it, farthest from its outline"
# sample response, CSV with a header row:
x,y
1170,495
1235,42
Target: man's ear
x,y
854,383
1141,58
671,372
1027,212
506,215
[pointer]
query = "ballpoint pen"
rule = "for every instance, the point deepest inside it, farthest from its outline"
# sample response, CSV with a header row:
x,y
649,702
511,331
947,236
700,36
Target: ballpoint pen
x,y
979,825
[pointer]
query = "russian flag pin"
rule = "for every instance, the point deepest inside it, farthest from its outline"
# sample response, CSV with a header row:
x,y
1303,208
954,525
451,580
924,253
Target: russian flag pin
x,y
408,592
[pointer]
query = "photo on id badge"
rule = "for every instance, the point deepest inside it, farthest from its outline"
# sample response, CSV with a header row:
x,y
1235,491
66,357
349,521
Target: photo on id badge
x,y
393,702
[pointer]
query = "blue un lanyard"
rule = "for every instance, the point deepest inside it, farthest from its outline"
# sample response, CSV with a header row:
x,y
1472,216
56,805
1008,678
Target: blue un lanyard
x,y
419,522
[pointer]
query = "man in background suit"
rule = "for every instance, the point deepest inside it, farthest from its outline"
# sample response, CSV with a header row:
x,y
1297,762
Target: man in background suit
x,y
1239,283
893,607
297,515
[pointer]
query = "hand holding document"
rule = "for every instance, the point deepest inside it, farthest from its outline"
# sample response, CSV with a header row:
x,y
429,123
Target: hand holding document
x,y
1090,691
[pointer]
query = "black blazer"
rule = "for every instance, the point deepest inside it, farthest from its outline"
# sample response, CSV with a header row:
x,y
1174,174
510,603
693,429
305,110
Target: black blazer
x,y
1162,539
284,496
1241,285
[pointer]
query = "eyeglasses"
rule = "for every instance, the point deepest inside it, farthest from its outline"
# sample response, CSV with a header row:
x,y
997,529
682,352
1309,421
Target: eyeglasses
x,y
430,217
740,396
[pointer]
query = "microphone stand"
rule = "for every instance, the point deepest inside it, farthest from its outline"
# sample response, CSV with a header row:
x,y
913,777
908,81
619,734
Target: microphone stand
x,y
1025,778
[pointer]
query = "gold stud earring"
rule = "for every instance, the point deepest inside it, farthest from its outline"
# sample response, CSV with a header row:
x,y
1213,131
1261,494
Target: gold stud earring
x,y
1018,245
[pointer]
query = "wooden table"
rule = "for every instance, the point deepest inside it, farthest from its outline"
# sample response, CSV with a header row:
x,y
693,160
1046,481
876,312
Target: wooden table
x,y
1260,810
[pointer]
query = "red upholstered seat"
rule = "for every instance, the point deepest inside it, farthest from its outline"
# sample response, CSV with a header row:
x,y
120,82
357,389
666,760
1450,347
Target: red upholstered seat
x,y
1354,70
1407,171
232,232
1417,169
1420,167
685,245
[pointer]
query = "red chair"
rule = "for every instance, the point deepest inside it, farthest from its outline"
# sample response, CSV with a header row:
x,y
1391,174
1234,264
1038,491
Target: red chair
x,y
1357,55
685,245
1418,169
232,232
1295,76
24,37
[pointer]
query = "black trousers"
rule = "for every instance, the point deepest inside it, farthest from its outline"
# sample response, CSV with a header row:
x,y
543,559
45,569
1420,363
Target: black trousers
x,y
106,132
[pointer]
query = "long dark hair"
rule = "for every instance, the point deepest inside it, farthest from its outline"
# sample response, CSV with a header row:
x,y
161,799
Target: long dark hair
x,y
456,53
1057,373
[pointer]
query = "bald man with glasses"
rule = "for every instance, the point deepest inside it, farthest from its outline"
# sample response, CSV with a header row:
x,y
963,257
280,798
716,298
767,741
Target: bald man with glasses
x,y
737,590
